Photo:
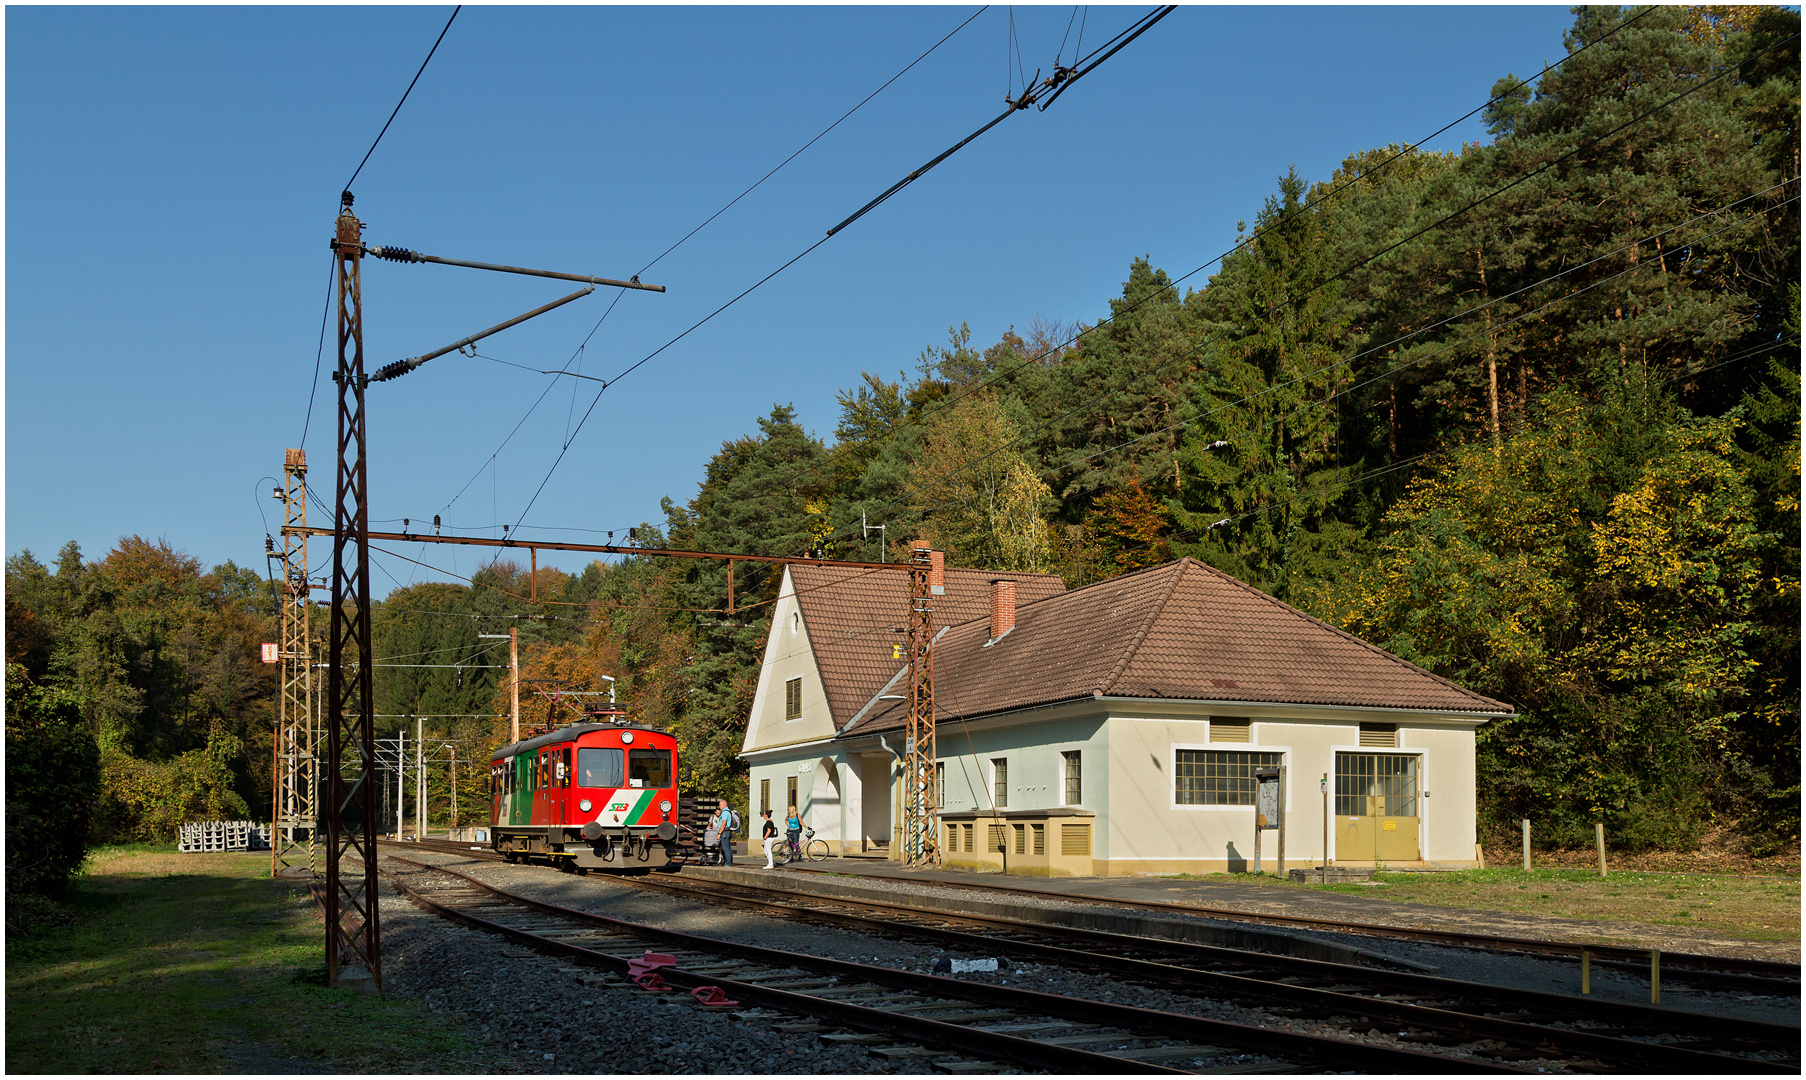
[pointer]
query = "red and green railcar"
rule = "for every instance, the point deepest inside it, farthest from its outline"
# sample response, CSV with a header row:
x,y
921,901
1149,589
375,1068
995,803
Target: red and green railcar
x,y
588,796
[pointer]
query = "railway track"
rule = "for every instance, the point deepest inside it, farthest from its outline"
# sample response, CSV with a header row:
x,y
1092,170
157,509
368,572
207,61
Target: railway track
x,y
1714,972
949,1024
1429,1009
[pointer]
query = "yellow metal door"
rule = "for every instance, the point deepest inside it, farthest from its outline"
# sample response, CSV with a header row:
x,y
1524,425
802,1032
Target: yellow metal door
x,y
1376,808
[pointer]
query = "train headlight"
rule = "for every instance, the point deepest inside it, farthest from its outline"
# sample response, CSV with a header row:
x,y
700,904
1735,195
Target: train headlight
x,y
665,806
583,805
627,738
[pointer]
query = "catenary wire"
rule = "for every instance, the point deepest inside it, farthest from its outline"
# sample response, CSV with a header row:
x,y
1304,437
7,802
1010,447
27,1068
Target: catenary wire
x,y
798,257
1007,373
1196,350
724,209
1402,367
404,98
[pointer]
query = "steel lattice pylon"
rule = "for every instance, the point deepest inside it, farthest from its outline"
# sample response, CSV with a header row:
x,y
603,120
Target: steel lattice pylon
x,y
293,822
353,950
921,817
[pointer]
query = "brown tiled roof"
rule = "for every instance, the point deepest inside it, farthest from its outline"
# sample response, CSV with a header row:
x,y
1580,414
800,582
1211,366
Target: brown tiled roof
x,y
851,613
1182,631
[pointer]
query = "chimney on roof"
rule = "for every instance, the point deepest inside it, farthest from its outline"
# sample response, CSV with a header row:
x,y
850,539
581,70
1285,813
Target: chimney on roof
x,y
937,566
1003,607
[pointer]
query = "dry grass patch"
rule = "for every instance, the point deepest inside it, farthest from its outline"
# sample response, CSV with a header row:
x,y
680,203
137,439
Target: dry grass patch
x,y
1752,908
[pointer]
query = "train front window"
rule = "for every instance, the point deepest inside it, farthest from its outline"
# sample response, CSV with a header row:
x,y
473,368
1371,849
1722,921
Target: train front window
x,y
649,768
598,767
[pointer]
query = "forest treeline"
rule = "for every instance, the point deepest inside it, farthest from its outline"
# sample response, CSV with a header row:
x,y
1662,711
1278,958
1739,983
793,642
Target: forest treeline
x,y
1526,414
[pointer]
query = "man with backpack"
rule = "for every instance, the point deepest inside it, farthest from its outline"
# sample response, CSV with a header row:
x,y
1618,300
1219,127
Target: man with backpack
x,y
726,823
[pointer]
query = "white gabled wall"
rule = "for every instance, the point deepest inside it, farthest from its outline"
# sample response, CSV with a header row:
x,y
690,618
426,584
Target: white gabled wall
x,y
787,656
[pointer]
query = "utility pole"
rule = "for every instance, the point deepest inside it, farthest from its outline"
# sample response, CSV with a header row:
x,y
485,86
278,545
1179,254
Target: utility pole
x,y
419,778
454,783
353,950
921,818
293,823
514,679
401,780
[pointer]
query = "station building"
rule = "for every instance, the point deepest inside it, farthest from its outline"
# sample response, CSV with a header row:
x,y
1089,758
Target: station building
x,y
1110,730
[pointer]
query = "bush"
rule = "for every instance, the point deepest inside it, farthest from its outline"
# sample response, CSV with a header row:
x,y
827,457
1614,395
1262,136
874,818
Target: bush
x,y
52,782
147,800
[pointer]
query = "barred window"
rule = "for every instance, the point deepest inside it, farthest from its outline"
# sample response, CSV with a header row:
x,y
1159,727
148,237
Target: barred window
x,y
793,698
1376,785
1218,777
1075,839
1000,781
1074,789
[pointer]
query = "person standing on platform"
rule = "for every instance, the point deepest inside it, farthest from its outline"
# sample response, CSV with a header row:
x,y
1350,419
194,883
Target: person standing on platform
x,y
769,833
723,822
793,828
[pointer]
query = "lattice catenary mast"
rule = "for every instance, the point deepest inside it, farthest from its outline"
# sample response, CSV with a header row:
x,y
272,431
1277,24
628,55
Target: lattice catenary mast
x,y
921,817
293,807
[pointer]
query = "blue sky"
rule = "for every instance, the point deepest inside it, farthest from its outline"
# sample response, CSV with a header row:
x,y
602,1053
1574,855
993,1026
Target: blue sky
x,y
173,175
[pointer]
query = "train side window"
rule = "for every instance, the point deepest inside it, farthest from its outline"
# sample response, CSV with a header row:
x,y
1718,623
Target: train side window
x,y
564,767
599,767
649,768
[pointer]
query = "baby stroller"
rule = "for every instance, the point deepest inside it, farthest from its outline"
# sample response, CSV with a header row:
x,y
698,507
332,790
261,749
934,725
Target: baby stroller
x,y
710,855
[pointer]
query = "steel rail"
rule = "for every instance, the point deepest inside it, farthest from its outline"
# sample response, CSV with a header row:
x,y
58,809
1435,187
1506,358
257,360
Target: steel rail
x,y
1684,965
1225,986
1334,1053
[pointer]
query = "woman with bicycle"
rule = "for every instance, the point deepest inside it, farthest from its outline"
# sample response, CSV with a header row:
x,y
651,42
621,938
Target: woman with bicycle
x,y
793,827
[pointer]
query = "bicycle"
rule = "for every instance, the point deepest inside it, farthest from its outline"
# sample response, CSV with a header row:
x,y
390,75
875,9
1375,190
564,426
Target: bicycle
x,y
786,850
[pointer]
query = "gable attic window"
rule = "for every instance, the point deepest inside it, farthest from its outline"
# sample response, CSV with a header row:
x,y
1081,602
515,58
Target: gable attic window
x,y
1229,729
1379,735
793,698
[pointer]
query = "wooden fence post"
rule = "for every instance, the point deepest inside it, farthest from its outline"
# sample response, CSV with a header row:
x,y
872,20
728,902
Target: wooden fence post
x,y
1599,842
1526,843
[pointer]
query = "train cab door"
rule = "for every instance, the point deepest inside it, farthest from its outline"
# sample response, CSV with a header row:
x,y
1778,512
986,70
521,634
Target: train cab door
x,y
542,791
558,791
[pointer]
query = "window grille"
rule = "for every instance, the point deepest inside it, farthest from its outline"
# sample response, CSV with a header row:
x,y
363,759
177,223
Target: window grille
x,y
969,830
1376,785
1040,838
1074,788
1075,839
994,837
793,698
1021,839
1000,781
1229,729
1218,777
1379,735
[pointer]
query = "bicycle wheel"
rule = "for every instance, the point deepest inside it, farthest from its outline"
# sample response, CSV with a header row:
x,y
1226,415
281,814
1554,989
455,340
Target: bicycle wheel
x,y
817,850
780,853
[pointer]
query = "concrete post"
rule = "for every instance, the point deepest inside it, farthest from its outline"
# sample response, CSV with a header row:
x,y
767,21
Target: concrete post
x,y
1526,843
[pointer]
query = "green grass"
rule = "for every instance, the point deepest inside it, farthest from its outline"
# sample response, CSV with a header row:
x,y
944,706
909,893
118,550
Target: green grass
x,y
1756,909
201,963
